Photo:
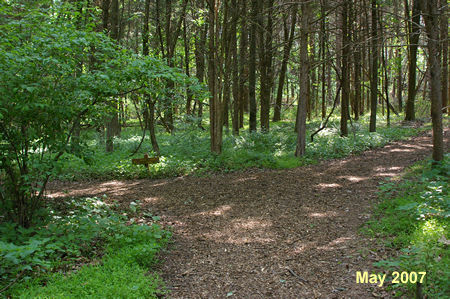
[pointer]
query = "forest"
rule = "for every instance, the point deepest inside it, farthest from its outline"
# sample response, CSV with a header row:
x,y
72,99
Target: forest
x,y
224,148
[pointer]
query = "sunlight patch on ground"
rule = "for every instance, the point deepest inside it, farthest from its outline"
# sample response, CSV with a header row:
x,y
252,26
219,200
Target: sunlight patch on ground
x,y
243,231
113,184
219,211
151,199
352,178
332,185
300,247
398,150
387,174
252,224
250,178
323,215
339,243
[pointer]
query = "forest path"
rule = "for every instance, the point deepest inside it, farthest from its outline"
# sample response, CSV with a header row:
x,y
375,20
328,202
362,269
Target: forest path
x,y
269,233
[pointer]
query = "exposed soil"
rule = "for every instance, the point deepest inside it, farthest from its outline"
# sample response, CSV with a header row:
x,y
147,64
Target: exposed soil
x,y
267,233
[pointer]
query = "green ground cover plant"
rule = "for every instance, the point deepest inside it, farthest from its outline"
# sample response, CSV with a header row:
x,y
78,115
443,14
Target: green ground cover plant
x,y
84,249
413,218
188,150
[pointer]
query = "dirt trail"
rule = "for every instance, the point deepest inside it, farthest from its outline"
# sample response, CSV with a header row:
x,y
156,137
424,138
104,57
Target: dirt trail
x,y
269,234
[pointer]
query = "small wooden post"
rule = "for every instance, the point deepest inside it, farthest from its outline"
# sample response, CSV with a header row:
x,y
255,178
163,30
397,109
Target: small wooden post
x,y
145,161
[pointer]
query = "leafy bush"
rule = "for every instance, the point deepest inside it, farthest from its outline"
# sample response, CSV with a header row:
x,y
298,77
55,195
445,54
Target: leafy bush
x,y
49,88
414,218
78,232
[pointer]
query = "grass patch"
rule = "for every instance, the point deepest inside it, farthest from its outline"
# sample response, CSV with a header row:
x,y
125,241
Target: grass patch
x,y
83,250
188,151
413,217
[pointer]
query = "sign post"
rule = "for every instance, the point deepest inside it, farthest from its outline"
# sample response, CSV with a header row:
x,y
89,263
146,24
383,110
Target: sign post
x,y
145,161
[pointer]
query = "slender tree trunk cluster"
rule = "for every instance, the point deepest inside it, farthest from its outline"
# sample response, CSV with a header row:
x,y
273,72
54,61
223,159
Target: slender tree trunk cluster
x,y
261,58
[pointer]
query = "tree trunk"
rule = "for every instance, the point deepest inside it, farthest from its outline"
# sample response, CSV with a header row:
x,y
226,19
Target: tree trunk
x,y
414,34
431,16
236,104
322,56
345,79
215,106
288,41
200,44
374,69
265,62
444,54
252,67
243,73
226,43
304,64
186,65
357,70
150,104
113,125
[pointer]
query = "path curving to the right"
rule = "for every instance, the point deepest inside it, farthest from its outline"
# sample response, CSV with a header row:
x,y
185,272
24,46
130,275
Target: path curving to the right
x,y
271,234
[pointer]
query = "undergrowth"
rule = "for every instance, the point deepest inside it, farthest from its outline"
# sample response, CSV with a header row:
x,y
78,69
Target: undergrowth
x,y
84,249
188,150
413,218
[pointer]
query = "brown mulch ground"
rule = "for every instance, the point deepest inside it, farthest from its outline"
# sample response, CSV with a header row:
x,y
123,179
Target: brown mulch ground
x,y
267,233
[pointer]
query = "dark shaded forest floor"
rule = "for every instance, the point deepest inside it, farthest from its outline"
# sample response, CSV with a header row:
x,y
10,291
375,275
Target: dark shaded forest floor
x,y
268,233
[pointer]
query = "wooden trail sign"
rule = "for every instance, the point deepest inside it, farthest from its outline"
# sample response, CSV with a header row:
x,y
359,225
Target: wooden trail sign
x,y
145,161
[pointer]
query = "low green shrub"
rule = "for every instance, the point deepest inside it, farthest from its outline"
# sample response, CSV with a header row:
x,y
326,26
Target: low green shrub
x,y
84,248
413,217
188,151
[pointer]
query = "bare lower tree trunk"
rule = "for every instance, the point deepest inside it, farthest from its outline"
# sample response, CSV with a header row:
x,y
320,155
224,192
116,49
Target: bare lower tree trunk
x,y
322,56
265,62
151,125
215,105
345,80
243,62
226,83
288,41
200,42
149,103
304,64
236,104
252,67
186,65
374,69
431,16
414,34
444,54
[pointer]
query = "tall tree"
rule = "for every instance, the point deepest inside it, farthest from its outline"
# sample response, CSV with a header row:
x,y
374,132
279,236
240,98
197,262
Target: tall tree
x,y
200,45
235,62
345,77
252,67
374,68
431,16
288,41
304,64
243,64
215,104
443,7
113,124
265,60
413,43
149,104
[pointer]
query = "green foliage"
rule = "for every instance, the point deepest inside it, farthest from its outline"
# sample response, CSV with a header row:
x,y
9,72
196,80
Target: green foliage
x,y
78,232
414,217
188,151
54,77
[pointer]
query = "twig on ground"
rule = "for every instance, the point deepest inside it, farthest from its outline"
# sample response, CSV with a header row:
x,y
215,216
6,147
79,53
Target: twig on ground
x,y
296,275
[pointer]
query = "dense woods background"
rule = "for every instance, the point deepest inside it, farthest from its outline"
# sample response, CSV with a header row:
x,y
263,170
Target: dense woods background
x,y
203,85
227,66
232,65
